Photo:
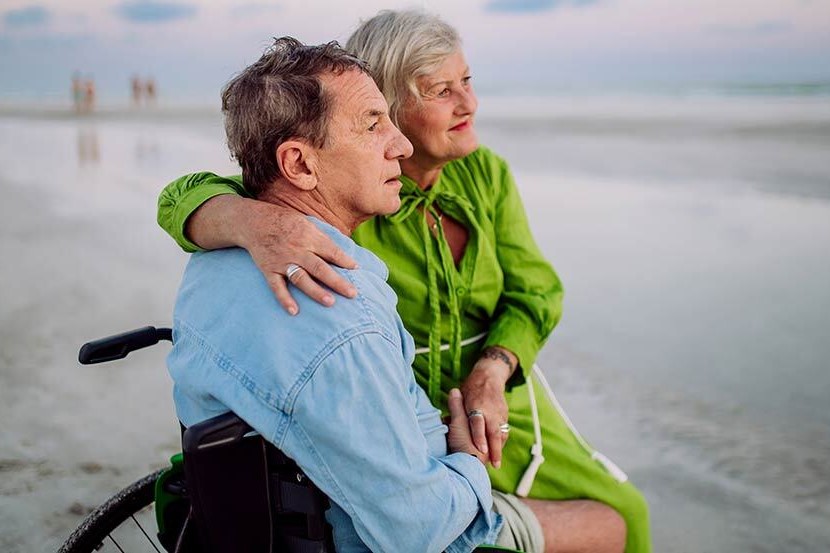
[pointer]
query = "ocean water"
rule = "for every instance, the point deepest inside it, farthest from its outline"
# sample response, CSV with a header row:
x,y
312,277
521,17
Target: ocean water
x,y
693,238
692,233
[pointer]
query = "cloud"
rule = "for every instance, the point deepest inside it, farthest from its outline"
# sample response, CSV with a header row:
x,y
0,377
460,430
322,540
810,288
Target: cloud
x,y
249,10
30,16
760,28
531,6
154,12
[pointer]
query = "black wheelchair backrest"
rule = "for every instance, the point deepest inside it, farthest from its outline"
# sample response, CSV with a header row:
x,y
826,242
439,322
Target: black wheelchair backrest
x,y
246,495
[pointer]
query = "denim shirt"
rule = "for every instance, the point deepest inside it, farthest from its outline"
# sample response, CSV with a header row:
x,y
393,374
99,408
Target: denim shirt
x,y
333,388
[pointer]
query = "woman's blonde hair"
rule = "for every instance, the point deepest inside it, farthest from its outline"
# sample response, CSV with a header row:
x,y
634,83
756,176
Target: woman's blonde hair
x,y
400,47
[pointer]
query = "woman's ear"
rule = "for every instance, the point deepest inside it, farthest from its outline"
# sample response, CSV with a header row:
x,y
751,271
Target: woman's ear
x,y
295,159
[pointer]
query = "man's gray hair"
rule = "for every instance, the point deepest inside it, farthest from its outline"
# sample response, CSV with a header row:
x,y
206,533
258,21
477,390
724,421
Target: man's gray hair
x,y
401,46
278,98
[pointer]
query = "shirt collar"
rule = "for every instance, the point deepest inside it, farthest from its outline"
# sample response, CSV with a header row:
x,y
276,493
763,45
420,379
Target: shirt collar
x,y
366,259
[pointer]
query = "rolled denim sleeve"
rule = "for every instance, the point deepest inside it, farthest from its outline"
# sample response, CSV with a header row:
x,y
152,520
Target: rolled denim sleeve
x,y
366,436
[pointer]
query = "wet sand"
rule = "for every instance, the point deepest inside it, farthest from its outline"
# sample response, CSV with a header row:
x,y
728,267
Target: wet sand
x,y
79,263
664,358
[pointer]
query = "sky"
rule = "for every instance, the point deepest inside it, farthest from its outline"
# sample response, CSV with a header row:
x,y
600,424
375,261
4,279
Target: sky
x,y
192,47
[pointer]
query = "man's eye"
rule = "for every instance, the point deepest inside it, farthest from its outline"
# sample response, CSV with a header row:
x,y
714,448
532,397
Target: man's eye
x,y
374,126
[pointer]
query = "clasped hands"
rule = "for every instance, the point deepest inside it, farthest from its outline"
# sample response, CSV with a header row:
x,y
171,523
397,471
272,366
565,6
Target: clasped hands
x,y
478,412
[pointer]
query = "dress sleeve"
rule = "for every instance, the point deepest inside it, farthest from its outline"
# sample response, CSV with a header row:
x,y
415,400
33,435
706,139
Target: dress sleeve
x,y
530,304
183,196
361,432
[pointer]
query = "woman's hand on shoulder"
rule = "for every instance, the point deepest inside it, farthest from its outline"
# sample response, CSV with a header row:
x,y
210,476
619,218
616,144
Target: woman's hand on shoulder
x,y
485,404
277,238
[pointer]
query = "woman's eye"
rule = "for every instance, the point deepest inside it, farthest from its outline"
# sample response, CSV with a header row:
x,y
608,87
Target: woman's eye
x,y
444,92
374,126
466,80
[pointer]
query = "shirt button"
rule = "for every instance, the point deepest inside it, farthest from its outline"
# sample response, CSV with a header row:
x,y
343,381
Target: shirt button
x,y
460,290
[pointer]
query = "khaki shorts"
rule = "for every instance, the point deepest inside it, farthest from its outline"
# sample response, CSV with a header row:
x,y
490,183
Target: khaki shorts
x,y
521,530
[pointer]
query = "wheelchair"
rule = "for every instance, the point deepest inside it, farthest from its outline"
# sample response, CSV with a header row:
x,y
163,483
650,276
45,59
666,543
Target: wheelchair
x,y
229,490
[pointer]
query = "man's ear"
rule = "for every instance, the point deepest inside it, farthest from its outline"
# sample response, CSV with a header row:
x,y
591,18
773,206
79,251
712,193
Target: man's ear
x,y
295,159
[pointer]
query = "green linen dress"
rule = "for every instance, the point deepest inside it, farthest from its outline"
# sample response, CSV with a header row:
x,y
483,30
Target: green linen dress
x,y
502,286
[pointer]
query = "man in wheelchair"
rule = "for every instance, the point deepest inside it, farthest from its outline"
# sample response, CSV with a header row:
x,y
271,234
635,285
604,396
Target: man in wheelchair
x,y
332,387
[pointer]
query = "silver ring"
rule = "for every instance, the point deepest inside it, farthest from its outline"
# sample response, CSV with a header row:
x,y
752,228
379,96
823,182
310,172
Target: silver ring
x,y
292,270
474,413
504,428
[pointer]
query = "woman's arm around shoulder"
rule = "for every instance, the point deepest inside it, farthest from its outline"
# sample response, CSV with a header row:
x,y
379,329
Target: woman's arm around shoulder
x,y
207,211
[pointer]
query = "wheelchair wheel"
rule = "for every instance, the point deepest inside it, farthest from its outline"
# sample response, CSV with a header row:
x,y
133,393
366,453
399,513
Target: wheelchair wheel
x,y
126,522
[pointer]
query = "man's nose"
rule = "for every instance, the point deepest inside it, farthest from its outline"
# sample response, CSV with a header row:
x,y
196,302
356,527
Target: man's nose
x,y
399,147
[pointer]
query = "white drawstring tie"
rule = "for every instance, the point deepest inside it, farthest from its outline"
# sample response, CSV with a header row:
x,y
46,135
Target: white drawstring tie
x,y
537,459
523,489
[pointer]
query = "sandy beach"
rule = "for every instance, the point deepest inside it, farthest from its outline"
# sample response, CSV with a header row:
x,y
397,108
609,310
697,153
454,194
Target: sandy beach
x,y
692,235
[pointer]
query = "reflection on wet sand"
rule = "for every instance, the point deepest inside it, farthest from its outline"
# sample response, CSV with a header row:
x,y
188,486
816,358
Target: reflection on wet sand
x,y
89,152
146,149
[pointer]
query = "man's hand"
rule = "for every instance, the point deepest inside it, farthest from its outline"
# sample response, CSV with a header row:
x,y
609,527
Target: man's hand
x,y
459,439
276,237
483,392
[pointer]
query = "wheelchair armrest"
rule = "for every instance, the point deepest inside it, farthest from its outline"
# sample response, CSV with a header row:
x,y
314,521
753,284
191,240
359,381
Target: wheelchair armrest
x,y
120,345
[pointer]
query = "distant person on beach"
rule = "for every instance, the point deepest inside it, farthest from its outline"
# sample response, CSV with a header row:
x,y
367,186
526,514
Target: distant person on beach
x,y
89,95
150,91
473,288
136,90
333,388
77,92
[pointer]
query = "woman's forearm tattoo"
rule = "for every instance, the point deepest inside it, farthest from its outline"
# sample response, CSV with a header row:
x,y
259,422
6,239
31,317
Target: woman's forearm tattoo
x,y
498,355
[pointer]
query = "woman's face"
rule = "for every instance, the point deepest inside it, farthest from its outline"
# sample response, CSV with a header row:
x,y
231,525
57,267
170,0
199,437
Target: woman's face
x,y
441,126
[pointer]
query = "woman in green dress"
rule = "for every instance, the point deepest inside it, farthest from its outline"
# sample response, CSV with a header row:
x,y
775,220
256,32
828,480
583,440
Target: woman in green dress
x,y
473,288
